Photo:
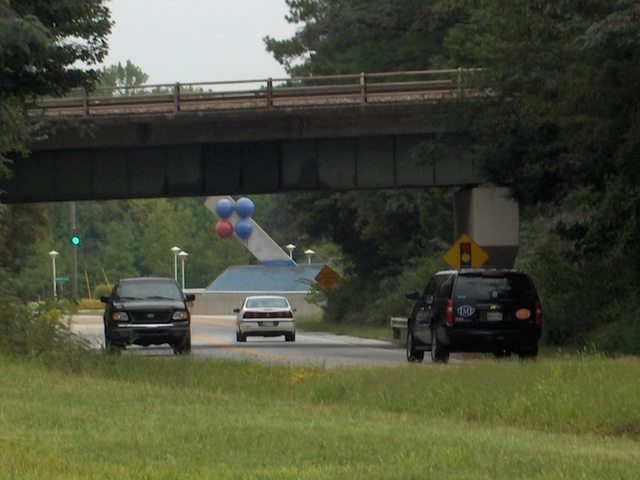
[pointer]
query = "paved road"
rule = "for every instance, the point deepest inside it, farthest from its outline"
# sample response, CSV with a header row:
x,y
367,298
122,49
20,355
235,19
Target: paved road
x,y
214,336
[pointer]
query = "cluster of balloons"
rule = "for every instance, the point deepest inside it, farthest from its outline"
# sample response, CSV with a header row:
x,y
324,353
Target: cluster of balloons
x,y
224,209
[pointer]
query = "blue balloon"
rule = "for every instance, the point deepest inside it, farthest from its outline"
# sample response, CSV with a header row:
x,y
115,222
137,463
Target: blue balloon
x,y
224,208
243,228
244,207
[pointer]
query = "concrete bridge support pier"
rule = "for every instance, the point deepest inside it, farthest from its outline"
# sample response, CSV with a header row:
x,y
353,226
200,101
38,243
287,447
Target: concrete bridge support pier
x,y
491,218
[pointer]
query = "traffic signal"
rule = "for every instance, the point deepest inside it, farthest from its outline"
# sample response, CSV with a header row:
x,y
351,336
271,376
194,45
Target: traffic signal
x,y
75,239
465,254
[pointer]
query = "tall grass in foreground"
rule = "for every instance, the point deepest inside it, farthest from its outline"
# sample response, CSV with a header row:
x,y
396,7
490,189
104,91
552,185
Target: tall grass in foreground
x,y
134,417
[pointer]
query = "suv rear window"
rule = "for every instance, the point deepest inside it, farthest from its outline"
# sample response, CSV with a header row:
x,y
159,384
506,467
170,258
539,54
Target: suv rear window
x,y
489,287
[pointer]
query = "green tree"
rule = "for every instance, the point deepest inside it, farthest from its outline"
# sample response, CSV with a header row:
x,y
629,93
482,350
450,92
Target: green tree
x,y
43,42
350,36
119,75
563,125
47,47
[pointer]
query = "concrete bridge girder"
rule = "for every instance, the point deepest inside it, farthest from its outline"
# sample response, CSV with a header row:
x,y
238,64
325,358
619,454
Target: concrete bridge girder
x,y
245,152
256,167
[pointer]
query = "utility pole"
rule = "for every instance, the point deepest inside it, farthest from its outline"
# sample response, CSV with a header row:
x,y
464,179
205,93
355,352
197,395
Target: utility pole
x,y
74,273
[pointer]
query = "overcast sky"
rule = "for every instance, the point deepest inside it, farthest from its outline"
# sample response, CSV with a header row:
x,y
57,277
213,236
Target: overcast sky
x,y
198,40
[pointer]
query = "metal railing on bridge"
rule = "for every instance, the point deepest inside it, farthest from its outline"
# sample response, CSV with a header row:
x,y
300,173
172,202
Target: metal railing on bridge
x,y
270,93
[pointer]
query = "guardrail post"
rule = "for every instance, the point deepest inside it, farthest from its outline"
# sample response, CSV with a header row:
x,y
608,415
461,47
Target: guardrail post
x,y
363,87
176,97
399,329
269,92
86,102
459,81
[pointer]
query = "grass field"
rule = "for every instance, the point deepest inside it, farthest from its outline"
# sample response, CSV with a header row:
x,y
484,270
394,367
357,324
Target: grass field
x,y
126,417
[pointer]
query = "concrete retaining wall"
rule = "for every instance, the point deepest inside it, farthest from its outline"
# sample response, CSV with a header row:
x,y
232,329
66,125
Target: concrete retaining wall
x,y
223,303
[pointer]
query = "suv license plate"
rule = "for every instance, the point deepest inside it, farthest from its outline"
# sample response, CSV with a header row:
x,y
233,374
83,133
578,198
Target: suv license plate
x,y
494,316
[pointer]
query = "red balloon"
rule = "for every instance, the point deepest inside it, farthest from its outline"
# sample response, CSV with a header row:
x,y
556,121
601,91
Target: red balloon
x,y
224,228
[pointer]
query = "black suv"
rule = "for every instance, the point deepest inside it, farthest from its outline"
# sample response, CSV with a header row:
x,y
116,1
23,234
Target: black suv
x,y
474,310
146,311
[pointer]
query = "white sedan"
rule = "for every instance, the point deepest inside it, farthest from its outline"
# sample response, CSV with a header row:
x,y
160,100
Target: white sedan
x,y
265,316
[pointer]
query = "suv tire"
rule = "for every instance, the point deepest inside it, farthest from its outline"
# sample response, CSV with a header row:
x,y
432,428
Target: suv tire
x,y
439,352
290,337
502,353
240,337
529,353
413,355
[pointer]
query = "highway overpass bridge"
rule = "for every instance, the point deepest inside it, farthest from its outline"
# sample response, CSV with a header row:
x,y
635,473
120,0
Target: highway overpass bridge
x,y
385,130
332,133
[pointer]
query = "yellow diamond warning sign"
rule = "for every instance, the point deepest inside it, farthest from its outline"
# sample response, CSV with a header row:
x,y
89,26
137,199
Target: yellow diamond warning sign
x,y
327,277
465,253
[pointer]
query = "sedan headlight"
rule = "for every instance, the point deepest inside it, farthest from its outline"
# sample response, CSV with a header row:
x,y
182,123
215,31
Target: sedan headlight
x,y
180,315
120,317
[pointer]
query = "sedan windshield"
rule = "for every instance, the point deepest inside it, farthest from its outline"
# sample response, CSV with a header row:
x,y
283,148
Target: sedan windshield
x,y
267,303
149,290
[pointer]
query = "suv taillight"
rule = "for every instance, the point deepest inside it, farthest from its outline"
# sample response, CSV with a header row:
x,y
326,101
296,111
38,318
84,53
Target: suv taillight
x,y
538,314
450,311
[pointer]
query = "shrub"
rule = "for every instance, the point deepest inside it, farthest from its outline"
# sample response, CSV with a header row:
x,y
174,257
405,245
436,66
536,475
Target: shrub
x,y
102,289
37,330
361,302
90,304
622,334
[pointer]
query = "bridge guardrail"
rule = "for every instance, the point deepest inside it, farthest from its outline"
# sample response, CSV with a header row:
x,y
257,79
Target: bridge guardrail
x,y
363,88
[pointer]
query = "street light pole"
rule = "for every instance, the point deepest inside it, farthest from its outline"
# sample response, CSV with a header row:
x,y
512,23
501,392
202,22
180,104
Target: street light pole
x,y
183,256
175,251
74,258
309,253
53,254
